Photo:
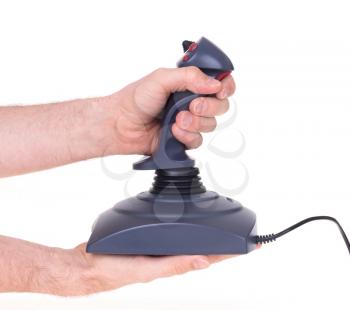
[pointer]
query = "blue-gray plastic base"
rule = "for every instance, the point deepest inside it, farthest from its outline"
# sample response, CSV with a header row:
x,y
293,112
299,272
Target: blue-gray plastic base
x,y
153,224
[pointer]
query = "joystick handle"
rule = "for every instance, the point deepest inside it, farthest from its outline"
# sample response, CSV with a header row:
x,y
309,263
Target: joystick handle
x,y
171,153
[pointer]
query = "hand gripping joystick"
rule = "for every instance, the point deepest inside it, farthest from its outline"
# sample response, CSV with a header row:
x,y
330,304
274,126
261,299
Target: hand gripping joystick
x,y
177,215
171,153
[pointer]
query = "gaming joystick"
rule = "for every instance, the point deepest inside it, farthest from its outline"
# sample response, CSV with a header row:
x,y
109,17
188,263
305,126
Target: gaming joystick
x,y
177,215
171,153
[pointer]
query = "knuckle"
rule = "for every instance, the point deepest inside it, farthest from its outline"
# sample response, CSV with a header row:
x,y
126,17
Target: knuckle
x,y
191,74
178,269
159,71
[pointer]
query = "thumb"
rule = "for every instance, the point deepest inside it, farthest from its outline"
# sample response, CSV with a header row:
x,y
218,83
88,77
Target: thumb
x,y
187,78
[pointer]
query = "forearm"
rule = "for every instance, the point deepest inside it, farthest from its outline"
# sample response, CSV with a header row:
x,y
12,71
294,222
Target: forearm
x,y
29,267
44,136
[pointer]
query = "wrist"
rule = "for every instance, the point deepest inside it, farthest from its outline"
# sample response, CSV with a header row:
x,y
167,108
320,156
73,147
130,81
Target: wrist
x,y
94,133
30,267
65,273
84,278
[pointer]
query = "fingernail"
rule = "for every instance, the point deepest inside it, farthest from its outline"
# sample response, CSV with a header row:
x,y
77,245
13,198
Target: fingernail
x,y
186,120
213,82
200,107
201,263
222,94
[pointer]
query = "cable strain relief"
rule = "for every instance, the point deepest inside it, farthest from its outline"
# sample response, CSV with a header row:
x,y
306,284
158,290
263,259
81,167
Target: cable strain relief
x,y
265,239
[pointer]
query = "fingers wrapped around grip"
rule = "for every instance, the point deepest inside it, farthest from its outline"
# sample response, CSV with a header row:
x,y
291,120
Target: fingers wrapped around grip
x,y
202,111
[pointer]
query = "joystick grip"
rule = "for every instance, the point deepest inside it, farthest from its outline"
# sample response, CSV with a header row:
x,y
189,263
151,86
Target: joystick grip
x,y
171,153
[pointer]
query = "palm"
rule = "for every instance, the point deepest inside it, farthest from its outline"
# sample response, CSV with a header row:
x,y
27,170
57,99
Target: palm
x,y
115,271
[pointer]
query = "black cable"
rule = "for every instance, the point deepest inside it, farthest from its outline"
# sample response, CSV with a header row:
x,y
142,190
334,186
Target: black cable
x,y
272,237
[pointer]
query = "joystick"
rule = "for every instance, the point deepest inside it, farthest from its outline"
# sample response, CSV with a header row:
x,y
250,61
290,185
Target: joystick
x,y
177,215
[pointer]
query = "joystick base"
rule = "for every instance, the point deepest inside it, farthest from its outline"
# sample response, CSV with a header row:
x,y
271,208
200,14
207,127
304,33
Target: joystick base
x,y
156,224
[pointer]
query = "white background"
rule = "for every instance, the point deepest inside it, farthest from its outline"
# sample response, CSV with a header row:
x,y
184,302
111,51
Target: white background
x,y
293,75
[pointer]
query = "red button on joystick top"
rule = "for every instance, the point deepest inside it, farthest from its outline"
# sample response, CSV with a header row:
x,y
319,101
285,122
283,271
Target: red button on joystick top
x,y
192,47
